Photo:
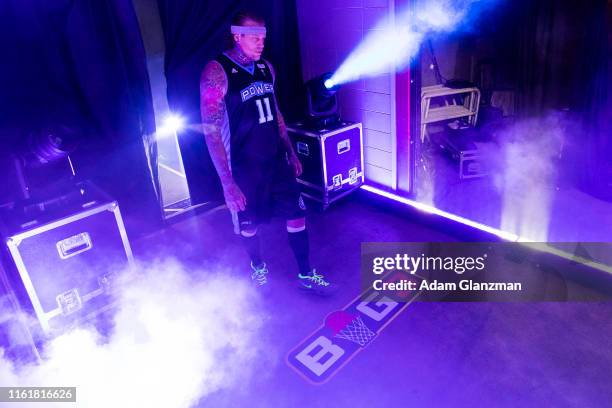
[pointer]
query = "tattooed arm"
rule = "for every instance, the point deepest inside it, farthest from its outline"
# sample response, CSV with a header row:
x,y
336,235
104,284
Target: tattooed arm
x,y
213,87
282,127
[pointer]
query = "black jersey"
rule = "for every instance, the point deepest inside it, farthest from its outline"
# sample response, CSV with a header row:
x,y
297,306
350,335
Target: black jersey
x,y
252,134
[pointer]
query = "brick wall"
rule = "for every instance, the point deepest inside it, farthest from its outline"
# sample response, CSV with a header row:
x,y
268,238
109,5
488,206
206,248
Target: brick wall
x,y
329,31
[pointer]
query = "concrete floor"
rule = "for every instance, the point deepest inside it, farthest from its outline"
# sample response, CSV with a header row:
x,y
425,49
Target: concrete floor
x,y
433,354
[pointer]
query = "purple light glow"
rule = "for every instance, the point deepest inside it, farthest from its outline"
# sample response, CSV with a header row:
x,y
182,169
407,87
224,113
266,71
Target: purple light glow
x,y
508,236
433,210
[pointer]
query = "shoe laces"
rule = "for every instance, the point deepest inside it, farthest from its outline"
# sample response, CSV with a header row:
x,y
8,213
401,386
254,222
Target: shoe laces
x,y
259,273
317,278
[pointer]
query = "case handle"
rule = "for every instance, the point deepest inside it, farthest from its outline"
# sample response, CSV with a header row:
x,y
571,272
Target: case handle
x,y
344,146
303,149
74,245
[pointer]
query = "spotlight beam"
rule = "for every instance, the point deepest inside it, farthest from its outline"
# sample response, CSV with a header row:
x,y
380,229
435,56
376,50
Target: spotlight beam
x,y
392,45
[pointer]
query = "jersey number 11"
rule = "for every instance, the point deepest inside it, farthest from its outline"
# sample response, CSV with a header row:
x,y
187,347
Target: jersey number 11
x,y
267,117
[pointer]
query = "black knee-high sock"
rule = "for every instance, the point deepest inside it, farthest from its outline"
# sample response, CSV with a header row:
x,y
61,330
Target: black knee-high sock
x,y
299,243
253,248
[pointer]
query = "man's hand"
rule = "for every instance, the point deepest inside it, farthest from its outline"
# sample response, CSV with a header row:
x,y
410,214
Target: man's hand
x,y
234,198
295,163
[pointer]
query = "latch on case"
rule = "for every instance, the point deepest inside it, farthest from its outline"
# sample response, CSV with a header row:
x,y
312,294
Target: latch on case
x,y
353,175
337,181
106,281
69,302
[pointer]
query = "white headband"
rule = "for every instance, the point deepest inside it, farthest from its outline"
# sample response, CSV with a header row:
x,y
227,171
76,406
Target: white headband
x,y
248,30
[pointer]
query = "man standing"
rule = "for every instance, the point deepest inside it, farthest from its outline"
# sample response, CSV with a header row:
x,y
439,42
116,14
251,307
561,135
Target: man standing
x,y
248,143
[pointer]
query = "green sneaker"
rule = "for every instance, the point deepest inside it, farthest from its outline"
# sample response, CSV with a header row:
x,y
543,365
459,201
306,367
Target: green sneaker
x,y
316,283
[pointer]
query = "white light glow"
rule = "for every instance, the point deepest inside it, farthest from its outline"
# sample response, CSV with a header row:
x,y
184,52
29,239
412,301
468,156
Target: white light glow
x,y
173,123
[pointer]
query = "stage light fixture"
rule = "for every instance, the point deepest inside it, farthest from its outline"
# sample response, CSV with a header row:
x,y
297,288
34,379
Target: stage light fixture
x,y
39,166
49,145
329,84
322,100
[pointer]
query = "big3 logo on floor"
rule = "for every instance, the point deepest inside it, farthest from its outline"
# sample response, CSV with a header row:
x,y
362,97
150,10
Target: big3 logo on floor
x,y
346,332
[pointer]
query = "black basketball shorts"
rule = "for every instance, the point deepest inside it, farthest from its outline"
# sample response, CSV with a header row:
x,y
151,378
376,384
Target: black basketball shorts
x,y
271,190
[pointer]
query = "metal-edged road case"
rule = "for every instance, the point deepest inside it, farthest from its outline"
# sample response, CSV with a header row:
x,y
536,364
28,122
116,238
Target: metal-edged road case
x,y
332,160
62,263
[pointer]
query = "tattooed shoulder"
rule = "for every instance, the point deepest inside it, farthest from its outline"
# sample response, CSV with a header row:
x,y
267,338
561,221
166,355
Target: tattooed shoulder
x,y
213,86
213,77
